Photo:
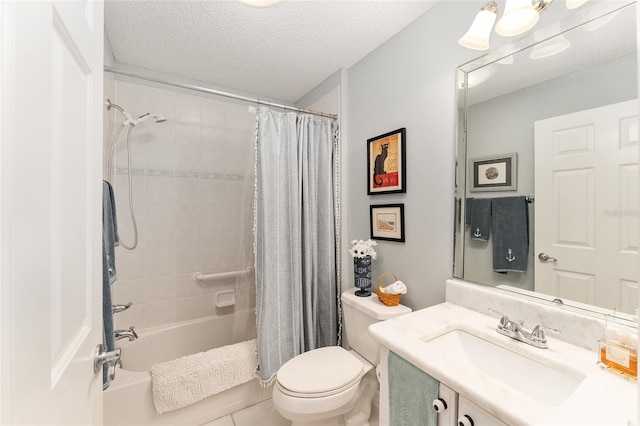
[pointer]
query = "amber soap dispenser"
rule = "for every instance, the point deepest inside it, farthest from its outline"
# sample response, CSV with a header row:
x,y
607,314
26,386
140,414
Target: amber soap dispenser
x,y
619,348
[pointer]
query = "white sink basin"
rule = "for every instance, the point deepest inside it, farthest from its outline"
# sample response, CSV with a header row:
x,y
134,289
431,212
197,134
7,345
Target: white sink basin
x,y
540,382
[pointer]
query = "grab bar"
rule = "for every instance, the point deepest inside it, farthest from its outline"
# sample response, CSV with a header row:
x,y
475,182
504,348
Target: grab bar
x,y
220,275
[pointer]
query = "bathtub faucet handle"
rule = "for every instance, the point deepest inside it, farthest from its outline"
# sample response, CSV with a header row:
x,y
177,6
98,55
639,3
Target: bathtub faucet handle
x,y
119,308
126,334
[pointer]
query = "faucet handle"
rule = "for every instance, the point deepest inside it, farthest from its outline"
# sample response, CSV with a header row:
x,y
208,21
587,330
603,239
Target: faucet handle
x,y
538,332
504,320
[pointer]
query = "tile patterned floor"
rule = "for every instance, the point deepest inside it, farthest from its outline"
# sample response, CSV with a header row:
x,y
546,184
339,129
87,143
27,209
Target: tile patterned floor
x,y
264,414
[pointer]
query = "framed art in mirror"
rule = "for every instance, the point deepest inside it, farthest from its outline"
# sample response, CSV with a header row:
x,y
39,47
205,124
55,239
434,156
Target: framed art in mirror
x,y
387,222
386,163
495,173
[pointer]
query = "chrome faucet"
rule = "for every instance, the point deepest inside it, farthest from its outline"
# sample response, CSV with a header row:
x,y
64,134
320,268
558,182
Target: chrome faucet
x,y
126,334
516,331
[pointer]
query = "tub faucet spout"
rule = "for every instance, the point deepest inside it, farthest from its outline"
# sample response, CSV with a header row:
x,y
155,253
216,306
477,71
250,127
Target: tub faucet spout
x,y
126,334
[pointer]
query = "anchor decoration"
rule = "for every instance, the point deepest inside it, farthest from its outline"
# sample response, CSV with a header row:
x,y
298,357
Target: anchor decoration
x,y
477,233
510,257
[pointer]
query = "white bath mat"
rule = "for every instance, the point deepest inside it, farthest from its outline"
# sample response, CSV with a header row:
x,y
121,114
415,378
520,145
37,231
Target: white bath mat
x,y
187,380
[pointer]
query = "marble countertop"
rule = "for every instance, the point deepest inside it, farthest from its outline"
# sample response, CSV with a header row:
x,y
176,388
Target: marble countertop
x,y
602,397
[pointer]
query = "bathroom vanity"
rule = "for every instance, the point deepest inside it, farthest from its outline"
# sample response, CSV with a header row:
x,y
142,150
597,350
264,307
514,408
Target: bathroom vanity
x,y
488,378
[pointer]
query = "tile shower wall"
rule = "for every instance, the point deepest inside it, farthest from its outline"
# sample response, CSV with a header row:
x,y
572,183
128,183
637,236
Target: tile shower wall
x,y
189,183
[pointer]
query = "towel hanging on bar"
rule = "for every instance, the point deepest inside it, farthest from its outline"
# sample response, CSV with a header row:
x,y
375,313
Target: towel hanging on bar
x,y
480,219
510,223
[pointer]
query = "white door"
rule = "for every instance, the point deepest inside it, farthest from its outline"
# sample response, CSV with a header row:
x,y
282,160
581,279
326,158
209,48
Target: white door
x,y
50,211
586,198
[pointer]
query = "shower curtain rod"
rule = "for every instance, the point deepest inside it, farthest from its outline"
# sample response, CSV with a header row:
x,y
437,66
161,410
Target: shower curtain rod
x,y
218,93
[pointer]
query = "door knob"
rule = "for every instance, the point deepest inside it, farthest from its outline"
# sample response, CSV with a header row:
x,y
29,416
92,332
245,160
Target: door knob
x,y
546,258
101,356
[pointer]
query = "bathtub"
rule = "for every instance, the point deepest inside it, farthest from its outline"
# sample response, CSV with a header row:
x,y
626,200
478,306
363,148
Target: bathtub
x,y
128,401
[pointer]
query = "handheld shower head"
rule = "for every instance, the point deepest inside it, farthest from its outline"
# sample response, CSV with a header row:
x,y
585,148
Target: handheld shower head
x,y
156,117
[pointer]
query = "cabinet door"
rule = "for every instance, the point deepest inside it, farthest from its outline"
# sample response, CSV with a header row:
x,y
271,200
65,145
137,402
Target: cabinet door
x,y
470,414
447,416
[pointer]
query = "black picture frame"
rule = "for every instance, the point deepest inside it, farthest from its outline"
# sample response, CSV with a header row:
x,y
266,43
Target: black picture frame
x,y
386,163
387,222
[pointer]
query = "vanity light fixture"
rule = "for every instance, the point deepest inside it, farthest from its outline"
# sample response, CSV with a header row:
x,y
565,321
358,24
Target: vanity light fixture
x,y
477,37
519,16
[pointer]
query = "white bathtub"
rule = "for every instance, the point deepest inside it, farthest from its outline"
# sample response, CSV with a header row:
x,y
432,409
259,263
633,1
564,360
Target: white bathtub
x,y
128,400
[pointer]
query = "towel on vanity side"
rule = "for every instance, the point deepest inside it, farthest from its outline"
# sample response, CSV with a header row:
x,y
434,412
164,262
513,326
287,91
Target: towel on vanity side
x,y
411,391
480,219
187,380
510,222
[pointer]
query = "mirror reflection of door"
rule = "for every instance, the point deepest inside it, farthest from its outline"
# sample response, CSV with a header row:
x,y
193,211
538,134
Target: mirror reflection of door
x,y
586,197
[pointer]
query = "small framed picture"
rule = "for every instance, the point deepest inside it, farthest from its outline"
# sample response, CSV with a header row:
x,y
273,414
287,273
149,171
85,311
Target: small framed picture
x,y
495,173
386,163
387,222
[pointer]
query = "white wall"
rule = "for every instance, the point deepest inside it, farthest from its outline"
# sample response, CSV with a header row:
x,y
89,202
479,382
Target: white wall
x,y
410,82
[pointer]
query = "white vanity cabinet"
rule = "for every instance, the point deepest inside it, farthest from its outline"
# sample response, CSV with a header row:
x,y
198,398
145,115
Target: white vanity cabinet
x,y
447,406
460,411
470,414
452,409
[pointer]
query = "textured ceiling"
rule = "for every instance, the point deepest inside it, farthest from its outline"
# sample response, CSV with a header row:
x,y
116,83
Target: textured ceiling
x,y
282,51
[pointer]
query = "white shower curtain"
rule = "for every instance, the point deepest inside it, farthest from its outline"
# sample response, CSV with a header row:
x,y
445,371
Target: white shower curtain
x,y
296,282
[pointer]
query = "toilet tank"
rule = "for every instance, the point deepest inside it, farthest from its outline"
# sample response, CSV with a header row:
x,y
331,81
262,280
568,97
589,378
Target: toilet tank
x,y
359,313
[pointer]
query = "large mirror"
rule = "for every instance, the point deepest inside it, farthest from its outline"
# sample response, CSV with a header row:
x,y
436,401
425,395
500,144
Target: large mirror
x,y
547,162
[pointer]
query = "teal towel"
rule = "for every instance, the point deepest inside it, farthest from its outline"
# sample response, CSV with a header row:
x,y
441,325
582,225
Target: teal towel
x,y
411,392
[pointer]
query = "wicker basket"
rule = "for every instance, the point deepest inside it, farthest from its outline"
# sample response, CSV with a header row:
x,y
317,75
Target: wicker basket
x,y
387,299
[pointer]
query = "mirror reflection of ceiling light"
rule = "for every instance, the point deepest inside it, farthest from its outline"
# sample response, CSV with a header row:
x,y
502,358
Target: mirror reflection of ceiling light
x,y
600,22
574,4
550,47
507,60
519,16
476,77
260,3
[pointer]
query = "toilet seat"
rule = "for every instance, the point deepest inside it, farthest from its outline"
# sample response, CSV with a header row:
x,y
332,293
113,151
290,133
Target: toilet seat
x,y
320,372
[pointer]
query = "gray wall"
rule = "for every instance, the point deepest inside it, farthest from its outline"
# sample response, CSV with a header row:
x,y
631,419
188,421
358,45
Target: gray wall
x,y
506,124
409,82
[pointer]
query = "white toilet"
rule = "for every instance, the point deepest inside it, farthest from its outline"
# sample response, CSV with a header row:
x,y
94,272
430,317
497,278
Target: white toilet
x,y
333,386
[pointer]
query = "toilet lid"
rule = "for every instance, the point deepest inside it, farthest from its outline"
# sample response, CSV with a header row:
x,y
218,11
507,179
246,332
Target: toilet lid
x,y
320,371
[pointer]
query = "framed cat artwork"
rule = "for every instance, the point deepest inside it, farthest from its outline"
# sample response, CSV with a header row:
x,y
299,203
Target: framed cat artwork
x,y
386,163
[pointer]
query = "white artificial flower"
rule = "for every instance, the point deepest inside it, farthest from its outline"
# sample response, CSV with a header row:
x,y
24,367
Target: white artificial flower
x,y
362,248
